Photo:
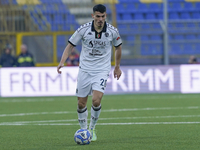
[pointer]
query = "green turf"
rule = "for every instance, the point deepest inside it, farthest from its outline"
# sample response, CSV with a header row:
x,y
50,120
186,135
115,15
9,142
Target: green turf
x,y
156,122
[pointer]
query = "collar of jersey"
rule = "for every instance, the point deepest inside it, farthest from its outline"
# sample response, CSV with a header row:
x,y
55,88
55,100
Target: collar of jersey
x,y
104,27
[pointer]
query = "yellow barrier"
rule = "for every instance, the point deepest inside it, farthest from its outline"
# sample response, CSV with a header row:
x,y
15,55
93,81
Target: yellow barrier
x,y
151,1
28,2
106,1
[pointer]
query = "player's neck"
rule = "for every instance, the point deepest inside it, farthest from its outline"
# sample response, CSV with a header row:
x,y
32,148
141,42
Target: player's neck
x,y
98,29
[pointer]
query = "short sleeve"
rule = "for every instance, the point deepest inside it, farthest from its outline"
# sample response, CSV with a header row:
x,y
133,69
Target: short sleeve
x,y
117,41
75,38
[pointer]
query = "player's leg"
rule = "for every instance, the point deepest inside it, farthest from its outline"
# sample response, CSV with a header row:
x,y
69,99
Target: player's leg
x,y
82,92
98,87
95,112
96,107
82,112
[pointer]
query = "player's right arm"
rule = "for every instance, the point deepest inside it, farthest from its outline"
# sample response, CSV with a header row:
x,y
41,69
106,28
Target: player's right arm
x,y
65,55
73,41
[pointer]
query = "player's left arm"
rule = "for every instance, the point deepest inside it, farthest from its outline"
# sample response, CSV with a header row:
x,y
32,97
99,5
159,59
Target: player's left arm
x,y
117,70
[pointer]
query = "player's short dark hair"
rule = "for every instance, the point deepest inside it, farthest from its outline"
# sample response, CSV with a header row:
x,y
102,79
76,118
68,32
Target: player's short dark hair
x,y
100,8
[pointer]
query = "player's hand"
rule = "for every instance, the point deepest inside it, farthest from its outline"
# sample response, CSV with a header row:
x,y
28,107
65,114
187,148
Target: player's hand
x,y
58,68
117,73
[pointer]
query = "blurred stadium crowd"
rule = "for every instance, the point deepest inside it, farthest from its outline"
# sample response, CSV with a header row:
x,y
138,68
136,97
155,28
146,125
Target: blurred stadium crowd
x,y
139,23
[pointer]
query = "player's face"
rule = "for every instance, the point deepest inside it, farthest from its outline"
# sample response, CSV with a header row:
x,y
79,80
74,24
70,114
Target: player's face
x,y
99,19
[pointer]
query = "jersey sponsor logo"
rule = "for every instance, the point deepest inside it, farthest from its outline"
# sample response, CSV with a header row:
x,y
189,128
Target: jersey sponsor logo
x,y
118,38
97,43
90,44
95,52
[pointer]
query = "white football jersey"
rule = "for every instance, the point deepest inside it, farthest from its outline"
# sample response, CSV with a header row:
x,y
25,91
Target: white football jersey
x,y
96,47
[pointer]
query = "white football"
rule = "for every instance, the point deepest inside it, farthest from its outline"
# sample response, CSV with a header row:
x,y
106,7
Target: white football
x,y
82,136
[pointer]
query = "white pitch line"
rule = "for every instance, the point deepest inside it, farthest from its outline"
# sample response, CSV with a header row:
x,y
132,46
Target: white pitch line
x,y
109,110
161,108
27,100
118,118
39,113
5,100
128,123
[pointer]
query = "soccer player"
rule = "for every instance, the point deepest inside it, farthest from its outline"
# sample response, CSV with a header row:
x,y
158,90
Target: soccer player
x,y
97,37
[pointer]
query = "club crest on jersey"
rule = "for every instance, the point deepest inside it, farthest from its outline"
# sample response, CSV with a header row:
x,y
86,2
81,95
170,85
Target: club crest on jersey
x,y
98,35
89,33
106,34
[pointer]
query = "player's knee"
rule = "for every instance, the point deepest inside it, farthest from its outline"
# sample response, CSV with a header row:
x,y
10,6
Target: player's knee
x,y
81,104
96,103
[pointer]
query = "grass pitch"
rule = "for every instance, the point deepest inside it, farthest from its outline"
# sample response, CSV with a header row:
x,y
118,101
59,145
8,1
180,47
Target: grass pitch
x,y
127,122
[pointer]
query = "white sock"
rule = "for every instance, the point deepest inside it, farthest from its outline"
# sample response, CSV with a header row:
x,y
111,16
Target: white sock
x,y
82,117
95,112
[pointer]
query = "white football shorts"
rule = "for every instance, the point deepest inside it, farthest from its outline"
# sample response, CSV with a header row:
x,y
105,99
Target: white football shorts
x,y
87,82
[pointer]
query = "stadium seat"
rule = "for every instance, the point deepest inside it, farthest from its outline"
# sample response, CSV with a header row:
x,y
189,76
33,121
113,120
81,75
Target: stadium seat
x,y
150,16
175,7
142,7
156,38
173,15
138,16
171,37
145,26
127,16
119,16
120,8
179,37
145,49
189,7
130,8
145,38
185,15
155,7
156,26
190,37
54,28
160,15
197,6
188,49
180,25
134,26
175,49
122,29
198,36
190,25
66,28
195,15
197,49
151,49
130,40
